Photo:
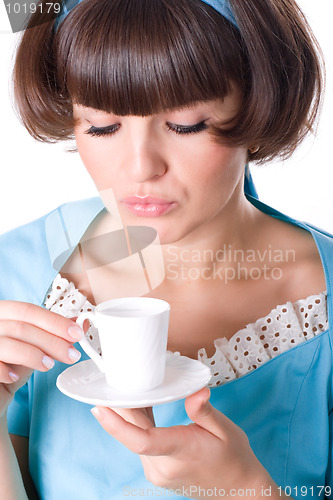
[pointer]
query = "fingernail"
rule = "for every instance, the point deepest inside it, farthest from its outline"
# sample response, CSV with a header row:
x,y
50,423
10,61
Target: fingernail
x,y
48,362
206,395
13,376
75,332
73,354
97,413
207,391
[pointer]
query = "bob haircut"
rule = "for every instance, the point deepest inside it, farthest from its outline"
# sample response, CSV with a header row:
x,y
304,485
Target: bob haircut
x,y
133,57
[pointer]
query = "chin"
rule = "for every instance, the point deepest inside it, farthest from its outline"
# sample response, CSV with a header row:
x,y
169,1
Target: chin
x,y
165,230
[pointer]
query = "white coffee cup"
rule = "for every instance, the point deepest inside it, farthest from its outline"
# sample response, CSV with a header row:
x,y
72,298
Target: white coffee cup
x,y
133,333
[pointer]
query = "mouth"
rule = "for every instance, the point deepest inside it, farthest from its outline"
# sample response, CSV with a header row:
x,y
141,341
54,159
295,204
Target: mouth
x,y
148,206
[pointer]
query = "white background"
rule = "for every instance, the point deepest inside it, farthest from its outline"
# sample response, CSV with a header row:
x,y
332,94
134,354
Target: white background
x,y
35,177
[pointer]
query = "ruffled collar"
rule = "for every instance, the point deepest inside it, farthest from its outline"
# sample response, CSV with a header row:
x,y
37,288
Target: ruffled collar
x,y
283,328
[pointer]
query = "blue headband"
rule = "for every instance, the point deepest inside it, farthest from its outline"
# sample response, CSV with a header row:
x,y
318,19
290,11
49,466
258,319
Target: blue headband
x,y
222,6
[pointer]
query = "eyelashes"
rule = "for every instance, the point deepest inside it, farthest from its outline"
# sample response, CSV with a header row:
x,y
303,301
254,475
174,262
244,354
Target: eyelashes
x,y
103,131
188,129
172,127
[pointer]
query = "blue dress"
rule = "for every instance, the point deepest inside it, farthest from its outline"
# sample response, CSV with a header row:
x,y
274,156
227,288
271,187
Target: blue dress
x,y
284,406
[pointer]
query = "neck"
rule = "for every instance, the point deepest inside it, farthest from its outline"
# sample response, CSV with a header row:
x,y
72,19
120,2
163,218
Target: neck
x,y
215,244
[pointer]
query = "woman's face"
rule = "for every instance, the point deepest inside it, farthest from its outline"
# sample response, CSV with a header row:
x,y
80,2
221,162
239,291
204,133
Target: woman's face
x,y
165,170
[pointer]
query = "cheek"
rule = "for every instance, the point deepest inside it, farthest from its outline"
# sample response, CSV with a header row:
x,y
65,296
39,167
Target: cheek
x,y
219,168
85,148
93,157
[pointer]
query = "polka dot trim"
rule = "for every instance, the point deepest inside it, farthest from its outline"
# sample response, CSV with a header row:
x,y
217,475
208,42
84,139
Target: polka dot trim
x,y
282,329
63,298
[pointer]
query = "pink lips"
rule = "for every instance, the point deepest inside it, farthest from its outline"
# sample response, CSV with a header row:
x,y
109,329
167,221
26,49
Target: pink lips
x,y
147,206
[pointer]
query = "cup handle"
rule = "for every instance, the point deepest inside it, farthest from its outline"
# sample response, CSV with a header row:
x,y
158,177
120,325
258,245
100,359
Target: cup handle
x,y
86,346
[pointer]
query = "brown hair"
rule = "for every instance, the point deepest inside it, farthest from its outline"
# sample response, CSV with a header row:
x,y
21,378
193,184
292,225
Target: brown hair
x,y
142,57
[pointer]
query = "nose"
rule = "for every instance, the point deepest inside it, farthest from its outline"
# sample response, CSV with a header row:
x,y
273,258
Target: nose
x,y
145,158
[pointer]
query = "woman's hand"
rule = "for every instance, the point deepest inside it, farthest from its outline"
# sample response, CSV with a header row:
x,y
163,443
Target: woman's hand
x,y
210,454
31,338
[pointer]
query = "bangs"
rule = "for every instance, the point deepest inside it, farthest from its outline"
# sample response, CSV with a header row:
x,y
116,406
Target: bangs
x,y
142,57
133,57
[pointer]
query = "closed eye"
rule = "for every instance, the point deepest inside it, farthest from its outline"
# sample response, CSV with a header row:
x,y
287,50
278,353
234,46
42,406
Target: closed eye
x,y
173,127
103,131
187,129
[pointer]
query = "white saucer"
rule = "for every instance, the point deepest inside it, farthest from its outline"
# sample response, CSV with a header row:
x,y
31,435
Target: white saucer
x,y
85,382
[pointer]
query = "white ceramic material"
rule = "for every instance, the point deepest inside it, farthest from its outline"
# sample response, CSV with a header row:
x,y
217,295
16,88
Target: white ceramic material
x,y
183,376
133,335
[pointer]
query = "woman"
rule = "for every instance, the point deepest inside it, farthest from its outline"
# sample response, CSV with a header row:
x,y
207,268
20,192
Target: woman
x,y
168,101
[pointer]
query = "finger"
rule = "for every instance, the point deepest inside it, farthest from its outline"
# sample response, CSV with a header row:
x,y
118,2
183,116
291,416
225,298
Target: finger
x,y
150,414
50,344
18,353
141,417
31,334
7,375
41,318
153,441
201,412
38,354
86,323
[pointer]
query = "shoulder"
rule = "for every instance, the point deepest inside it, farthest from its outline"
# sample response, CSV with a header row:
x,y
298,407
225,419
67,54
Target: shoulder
x,y
26,253
309,248
301,257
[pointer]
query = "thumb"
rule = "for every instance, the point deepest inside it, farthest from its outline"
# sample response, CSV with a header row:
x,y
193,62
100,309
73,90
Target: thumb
x,y
202,413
